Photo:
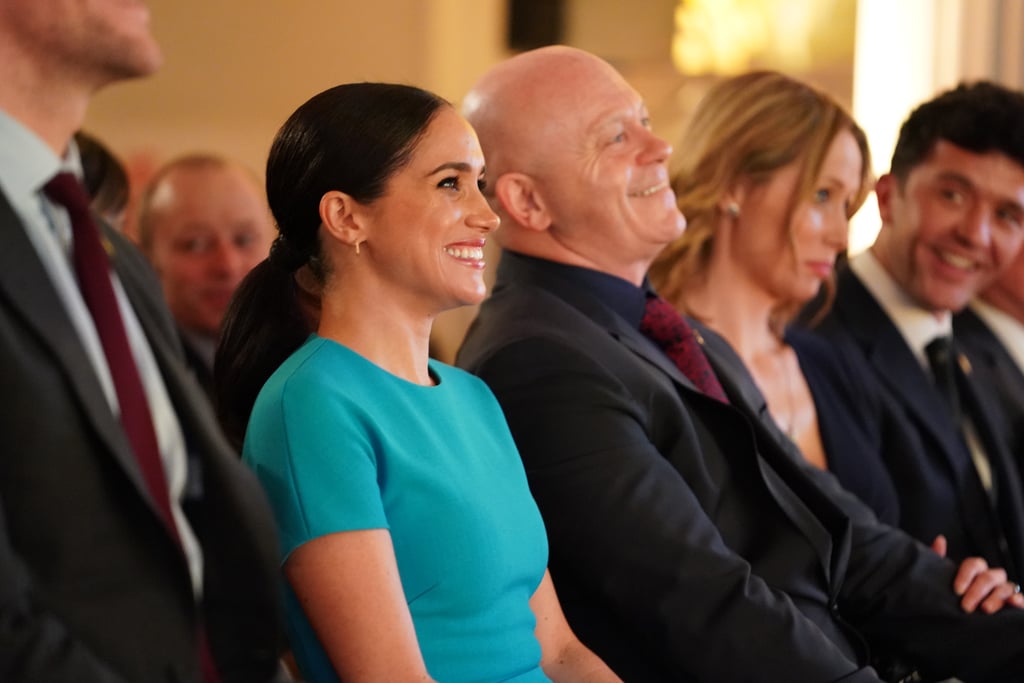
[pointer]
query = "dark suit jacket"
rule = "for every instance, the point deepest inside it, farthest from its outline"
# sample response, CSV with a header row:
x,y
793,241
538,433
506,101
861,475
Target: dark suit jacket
x,y
931,467
195,362
853,446
92,585
996,372
686,544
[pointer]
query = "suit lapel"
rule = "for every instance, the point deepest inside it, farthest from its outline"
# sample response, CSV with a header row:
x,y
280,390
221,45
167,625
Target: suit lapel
x,y
524,274
778,483
781,462
987,353
27,290
649,351
896,366
1009,497
901,374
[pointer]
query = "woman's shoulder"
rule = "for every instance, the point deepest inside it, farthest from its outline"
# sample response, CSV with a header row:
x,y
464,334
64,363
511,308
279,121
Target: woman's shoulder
x,y
808,344
819,356
317,373
834,375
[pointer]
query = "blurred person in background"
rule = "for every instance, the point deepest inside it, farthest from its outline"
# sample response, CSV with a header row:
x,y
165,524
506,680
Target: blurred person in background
x,y
105,179
204,224
768,174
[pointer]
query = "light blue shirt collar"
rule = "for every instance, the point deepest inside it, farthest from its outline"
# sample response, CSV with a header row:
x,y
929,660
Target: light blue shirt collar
x,y
26,162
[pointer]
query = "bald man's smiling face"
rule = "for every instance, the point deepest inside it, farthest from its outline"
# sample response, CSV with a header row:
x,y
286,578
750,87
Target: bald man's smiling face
x,y
571,123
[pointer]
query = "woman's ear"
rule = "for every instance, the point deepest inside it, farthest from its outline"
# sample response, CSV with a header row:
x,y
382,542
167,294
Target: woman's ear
x,y
731,201
519,198
341,217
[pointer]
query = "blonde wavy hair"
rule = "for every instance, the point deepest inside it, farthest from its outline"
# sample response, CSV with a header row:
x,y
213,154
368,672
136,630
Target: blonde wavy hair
x,y
744,130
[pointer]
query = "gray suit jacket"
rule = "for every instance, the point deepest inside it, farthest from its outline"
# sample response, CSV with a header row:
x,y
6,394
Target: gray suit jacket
x,y
92,586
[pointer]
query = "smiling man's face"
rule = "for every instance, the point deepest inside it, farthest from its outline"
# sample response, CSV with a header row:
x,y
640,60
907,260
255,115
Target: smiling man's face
x,y
952,225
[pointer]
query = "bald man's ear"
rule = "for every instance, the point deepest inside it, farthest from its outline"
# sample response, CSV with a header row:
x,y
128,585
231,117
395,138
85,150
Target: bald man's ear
x,y
342,218
521,202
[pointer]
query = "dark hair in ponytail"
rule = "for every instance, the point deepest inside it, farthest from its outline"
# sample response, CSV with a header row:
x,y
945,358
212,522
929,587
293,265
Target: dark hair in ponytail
x,y
351,138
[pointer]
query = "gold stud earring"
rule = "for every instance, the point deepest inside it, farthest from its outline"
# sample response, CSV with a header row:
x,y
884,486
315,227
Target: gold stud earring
x,y
358,242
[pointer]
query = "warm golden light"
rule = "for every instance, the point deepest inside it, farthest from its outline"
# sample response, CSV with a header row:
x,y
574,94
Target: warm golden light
x,y
920,57
728,36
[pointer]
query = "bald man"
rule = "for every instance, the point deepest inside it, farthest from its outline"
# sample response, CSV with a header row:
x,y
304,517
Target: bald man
x,y
688,541
204,224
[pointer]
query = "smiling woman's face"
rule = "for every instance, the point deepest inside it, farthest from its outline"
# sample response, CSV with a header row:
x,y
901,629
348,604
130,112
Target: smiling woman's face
x,y
426,234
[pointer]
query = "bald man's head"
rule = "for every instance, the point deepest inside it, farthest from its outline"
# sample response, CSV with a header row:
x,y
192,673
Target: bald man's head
x,y
573,167
521,103
204,224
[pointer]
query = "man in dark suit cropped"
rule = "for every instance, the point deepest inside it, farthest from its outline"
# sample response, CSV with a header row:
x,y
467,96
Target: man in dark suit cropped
x,y
952,212
133,545
686,543
991,332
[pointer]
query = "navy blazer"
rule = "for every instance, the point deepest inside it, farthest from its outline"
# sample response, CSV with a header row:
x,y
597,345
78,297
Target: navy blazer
x,y
686,544
853,449
997,373
937,483
93,587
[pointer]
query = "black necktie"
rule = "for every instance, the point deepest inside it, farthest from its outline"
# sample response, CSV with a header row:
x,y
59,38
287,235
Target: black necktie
x,y
92,268
942,357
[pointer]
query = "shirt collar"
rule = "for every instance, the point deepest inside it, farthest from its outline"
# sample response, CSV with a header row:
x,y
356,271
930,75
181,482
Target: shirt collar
x,y
1007,329
621,296
26,162
917,325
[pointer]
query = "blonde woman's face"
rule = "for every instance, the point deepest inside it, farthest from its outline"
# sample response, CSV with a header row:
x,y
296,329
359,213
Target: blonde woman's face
x,y
790,256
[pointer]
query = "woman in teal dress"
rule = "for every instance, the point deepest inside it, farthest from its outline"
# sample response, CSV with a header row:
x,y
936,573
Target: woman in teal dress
x,y
411,547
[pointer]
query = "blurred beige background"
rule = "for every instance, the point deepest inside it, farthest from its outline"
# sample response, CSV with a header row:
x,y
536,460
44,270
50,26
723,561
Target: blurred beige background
x,y
235,70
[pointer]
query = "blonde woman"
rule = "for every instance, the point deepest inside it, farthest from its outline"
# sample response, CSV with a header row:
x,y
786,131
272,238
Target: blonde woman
x,y
768,174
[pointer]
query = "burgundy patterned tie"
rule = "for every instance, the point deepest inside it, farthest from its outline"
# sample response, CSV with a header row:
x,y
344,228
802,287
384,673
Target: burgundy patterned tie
x,y
92,266
669,330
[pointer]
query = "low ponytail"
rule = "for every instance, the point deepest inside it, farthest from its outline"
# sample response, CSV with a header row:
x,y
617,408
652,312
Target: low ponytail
x,y
268,319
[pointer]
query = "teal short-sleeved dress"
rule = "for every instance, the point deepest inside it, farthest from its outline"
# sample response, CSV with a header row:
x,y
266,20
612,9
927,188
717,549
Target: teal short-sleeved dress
x,y
340,444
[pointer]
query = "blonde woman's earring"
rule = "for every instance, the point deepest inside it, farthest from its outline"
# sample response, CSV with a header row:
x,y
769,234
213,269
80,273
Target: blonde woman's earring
x,y
358,242
733,209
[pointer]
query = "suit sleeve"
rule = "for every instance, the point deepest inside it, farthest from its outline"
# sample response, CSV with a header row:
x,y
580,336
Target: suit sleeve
x,y
900,595
622,519
34,644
